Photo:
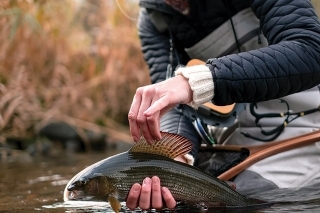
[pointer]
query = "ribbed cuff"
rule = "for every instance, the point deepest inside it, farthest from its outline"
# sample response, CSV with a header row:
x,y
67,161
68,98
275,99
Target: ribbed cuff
x,y
201,83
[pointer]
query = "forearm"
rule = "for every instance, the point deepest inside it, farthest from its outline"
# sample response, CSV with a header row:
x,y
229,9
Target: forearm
x,y
289,65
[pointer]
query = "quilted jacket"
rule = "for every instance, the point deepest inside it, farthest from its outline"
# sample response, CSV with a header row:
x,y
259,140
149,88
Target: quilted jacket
x,y
290,64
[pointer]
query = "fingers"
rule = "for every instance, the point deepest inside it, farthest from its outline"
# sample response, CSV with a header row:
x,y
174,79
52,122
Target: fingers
x,y
153,123
147,100
132,117
159,194
140,195
150,195
133,196
151,102
144,201
157,106
149,126
168,198
156,196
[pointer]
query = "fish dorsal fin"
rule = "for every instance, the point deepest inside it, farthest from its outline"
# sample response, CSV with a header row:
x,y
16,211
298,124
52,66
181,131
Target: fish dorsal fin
x,y
170,145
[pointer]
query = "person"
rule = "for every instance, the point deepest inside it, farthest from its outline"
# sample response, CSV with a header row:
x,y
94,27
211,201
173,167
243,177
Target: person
x,y
287,68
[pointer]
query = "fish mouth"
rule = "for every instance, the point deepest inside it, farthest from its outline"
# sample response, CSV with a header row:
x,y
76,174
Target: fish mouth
x,y
79,195
72,194
76,195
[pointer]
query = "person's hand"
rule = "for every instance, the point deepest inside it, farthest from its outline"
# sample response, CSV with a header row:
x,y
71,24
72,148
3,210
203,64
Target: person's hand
x,y
150,195
152,101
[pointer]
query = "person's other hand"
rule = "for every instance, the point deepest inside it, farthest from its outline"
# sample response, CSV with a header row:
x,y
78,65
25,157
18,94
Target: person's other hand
x,y
150,195
152,101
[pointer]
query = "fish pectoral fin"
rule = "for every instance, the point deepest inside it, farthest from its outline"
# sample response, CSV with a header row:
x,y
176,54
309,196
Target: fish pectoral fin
x,y
114,203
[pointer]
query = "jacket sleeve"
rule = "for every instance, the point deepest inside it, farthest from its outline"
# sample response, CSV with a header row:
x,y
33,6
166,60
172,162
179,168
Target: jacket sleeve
x,y
156,48
290,64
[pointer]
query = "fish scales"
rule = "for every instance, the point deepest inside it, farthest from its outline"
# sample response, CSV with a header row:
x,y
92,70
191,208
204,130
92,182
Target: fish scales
x,y
185,182
112,178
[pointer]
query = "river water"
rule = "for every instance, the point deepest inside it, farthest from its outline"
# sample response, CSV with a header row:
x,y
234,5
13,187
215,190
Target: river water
x,y
36,184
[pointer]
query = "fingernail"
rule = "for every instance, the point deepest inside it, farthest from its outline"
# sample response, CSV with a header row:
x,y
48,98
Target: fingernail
x,y
136,188
164,190
135,138
146,113
150,142
155,180
146,181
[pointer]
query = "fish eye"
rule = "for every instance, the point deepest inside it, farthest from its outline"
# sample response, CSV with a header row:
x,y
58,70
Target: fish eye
x,y
83,181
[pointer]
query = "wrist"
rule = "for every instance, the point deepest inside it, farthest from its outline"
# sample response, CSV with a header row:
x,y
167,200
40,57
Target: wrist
x,y
185,86
201,83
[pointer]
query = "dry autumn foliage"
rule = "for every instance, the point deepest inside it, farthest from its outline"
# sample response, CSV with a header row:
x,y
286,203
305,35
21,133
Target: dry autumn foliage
x,y
73,61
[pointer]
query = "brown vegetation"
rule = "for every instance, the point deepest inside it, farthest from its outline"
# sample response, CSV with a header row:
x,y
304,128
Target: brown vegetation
x,y
65,61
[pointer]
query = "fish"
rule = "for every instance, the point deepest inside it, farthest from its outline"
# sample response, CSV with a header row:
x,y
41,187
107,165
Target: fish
x,y
112,178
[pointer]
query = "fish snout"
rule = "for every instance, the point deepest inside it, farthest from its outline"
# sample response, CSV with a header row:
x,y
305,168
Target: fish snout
x,y
78,184
75,190
72,187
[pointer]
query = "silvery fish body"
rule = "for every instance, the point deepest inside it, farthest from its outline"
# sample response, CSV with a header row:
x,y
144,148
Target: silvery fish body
x,y
112,178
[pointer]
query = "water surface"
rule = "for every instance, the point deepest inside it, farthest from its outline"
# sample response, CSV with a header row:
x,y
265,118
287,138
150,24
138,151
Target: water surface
x,y
36,184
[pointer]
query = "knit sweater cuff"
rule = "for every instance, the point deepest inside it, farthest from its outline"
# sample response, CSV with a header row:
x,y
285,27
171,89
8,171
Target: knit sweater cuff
x,y
201,83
